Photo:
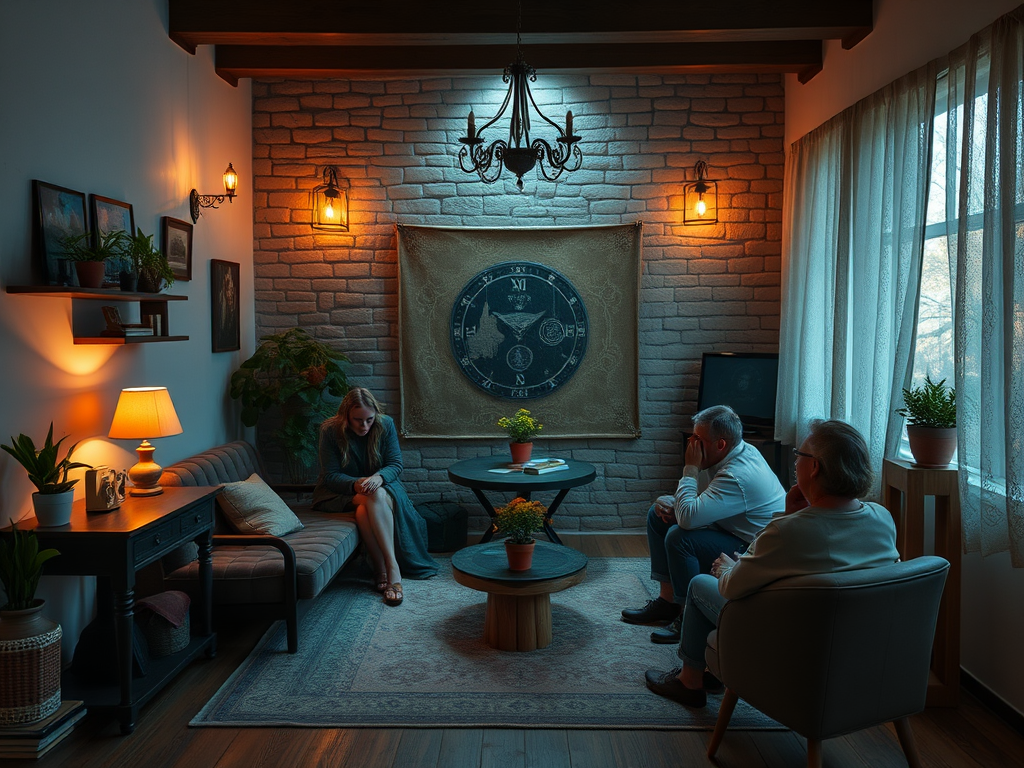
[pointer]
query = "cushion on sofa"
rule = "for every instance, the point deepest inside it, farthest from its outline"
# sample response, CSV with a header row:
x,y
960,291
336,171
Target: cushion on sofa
x,y
251,506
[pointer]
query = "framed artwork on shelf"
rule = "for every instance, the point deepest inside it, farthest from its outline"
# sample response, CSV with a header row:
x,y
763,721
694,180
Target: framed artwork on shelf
x,y
177,247
108,216
224,277
60,213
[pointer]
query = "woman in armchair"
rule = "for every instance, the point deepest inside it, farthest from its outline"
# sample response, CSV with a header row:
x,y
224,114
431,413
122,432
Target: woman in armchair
x,y
360,463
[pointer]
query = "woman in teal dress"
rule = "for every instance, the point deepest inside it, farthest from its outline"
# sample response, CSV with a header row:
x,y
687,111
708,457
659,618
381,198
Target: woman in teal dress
x,y
360,463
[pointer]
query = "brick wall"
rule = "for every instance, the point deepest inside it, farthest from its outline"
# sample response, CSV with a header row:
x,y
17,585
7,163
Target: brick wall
x,y
703,289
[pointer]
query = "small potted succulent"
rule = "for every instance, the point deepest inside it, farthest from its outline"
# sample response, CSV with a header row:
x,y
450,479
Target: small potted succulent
x,y
931,411
518,520
520,428
52,501
90,255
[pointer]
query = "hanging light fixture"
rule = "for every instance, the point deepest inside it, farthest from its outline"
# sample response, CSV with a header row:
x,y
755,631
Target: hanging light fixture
x,y
196,201
330,203
700,198
519,154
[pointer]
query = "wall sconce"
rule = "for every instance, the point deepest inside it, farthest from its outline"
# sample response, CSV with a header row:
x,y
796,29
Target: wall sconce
x,y
142,413
330,203
700,198
197,201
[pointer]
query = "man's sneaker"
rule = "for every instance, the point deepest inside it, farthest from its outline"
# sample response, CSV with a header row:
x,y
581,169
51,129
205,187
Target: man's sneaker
x,y
669,634
656,611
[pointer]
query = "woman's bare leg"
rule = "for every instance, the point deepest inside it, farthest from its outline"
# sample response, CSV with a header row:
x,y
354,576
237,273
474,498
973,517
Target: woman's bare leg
x,y
366,533
381,521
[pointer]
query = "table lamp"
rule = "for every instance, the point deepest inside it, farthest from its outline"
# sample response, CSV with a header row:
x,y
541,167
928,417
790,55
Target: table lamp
x,y
142,413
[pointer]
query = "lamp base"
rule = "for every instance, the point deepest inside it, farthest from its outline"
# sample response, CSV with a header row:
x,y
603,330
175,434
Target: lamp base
x,y
145,475
145,491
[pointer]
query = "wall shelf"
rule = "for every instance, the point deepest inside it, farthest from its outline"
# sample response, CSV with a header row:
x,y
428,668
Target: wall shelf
x,y
150,304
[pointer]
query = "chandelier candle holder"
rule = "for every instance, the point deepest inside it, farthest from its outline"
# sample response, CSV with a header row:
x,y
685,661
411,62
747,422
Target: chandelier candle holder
x,y
700,198
519,153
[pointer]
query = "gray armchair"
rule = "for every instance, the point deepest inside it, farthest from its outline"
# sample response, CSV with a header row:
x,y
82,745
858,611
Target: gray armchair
x,y
830,654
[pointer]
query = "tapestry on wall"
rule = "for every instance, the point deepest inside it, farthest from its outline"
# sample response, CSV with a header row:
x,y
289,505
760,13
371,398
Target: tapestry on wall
x,y
492,320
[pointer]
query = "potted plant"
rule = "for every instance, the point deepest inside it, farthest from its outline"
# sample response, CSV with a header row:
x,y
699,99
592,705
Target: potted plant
x,y
146,262
52,500
931,410
518,520
90,255
289,375
520,428
29,643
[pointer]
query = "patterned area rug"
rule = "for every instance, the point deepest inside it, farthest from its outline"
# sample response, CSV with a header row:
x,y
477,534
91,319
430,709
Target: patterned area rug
x,y
424,664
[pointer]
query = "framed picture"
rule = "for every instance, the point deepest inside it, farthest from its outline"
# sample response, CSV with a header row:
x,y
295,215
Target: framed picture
x,y
225,295
177,247
60,213
109,216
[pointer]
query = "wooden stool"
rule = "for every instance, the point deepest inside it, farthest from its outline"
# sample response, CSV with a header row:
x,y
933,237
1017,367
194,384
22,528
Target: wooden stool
x,y
904,486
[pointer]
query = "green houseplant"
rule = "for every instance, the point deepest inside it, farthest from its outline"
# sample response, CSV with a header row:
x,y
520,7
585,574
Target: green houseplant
x,y
52,501
518,520
931,412
90,254
520,428
21,565
147,262
288,378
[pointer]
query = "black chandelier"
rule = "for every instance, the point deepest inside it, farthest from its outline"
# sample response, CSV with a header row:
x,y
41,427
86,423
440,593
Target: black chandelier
x,y
519,154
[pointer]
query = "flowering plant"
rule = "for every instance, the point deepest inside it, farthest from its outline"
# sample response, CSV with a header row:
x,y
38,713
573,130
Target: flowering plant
x,y
519,519
522,427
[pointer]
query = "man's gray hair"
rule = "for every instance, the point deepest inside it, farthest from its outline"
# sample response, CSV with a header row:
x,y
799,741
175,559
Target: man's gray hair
x,y
843,458
722,423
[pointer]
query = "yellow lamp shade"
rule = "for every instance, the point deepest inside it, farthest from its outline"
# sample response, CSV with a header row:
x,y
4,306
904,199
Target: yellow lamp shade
x,y
144,412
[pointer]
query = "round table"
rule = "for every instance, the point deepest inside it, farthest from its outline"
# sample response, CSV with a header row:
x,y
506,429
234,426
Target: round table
x,y
475,474
518,614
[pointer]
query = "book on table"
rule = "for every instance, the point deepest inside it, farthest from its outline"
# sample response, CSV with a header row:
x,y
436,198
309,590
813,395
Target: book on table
x,y
543,466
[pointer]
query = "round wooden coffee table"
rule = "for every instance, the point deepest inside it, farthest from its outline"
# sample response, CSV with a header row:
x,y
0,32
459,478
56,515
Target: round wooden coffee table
x,y
518,614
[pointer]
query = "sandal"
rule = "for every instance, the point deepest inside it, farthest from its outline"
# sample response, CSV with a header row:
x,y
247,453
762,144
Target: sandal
x,y
393,594
382,582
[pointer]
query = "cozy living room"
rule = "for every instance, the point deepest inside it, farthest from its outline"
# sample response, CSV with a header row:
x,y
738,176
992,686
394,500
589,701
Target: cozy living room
x,y
411,386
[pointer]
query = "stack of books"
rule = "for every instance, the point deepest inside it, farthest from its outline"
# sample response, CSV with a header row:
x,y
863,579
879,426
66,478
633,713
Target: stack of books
x,y
543,466
36,739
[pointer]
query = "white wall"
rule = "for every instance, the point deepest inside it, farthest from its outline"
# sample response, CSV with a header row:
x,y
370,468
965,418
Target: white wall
x,y
94,96
908,34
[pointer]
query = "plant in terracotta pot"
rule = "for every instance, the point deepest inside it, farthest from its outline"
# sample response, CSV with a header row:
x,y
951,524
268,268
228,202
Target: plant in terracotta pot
x,y
288,379
518,520
146,262
52,500
931,411
520,428
90,255
29,644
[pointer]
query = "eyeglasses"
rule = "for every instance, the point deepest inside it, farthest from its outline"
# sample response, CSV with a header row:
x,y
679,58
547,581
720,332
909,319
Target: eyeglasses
x,y
797,453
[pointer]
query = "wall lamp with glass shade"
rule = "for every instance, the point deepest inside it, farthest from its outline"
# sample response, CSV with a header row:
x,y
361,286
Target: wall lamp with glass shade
x,y
197,202
330,203
700,198
142,413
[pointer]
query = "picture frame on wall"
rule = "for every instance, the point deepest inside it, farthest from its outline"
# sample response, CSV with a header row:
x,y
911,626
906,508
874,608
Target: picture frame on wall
x,y
224,289
60,213
177,246
109,215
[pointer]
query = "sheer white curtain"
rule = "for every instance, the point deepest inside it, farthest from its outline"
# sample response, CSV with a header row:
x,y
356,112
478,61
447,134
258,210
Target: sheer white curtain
x,y
855,198
985,236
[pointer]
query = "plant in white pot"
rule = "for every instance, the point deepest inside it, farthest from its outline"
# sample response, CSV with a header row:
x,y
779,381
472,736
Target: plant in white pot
x,y
52,501
931,411
29,643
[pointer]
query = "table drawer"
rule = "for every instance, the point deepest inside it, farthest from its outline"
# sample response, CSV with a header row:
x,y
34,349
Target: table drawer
x,y
157,541
196,520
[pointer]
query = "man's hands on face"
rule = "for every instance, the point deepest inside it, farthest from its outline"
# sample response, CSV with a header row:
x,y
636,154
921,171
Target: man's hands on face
x,y
795,500
694,454
665,508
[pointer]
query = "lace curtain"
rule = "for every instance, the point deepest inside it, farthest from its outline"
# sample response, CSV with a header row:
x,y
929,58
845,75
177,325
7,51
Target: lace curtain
x,y
854,204
985,239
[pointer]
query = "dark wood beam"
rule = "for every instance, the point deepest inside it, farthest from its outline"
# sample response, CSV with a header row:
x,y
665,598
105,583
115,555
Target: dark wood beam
x,y
233,62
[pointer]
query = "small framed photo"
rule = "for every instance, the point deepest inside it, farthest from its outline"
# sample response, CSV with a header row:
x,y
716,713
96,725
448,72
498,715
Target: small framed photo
x,y
60,213
109,216
224,277
177,247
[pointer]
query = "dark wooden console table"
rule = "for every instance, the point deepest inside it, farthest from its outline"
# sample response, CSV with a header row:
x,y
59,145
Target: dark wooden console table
x,y
116,545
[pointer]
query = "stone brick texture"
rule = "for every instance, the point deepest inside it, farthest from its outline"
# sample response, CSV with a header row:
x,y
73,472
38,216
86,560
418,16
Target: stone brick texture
x,y
395,143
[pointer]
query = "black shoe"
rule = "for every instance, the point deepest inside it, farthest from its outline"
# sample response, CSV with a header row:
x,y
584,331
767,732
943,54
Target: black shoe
x,y
667,684
669,634
711,683
656,611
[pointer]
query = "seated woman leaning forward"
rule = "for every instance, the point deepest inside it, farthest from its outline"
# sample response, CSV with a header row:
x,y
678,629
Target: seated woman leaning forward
x,y
825,529
360,462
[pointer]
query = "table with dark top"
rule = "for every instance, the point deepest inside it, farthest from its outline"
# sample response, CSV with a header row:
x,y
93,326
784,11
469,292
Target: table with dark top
x,y
475,474
518,614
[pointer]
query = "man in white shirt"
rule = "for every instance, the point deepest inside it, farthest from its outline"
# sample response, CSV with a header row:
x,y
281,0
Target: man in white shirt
x,y
686,532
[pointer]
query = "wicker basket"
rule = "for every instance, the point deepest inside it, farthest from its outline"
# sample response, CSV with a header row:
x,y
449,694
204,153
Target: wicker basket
x,y
30,676
162,637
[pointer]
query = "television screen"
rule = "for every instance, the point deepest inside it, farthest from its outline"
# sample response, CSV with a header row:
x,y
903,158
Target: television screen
x,y
745,381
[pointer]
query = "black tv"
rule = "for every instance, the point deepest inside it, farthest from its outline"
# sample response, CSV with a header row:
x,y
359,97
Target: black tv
x,y
745,381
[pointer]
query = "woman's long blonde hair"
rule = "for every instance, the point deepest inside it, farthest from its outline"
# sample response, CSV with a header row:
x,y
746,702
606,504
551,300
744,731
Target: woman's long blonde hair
x,y
358,397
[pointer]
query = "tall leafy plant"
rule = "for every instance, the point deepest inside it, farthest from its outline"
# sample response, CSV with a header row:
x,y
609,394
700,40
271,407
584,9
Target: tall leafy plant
x,y
932,405
291,373
44,470
21,565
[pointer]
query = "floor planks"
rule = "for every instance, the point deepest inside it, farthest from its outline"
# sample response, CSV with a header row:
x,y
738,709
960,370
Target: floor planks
x,y
968,736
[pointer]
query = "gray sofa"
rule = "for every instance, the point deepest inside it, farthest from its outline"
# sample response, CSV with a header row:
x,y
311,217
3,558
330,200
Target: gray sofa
x,y
270,572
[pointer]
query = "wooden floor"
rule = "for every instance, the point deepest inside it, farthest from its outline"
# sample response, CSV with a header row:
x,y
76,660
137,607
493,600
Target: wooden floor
x,y
965,737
